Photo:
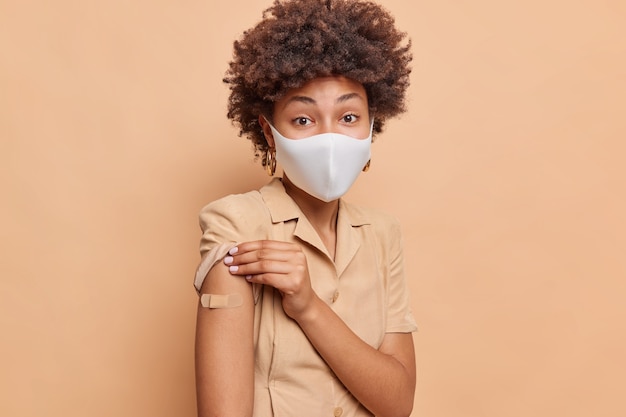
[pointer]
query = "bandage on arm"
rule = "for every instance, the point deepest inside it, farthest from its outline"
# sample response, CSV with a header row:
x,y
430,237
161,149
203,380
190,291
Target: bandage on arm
x,y
221,300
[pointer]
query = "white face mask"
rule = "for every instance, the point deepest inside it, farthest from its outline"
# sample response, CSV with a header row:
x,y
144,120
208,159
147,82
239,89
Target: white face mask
x,y
325,165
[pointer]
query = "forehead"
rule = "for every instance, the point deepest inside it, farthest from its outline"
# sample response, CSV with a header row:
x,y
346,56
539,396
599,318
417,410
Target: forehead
x,y
326,88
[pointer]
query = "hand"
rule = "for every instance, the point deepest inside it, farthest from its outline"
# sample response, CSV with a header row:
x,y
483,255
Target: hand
x,y
281,265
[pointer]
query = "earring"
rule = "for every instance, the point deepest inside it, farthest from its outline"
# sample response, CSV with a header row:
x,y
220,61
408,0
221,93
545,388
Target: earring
x,y
367,166
270,161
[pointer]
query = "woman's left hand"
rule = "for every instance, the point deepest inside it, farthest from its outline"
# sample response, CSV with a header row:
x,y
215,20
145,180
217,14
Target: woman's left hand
x,y
281,265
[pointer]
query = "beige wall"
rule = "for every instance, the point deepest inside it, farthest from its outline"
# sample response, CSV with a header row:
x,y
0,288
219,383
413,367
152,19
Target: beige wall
x,y
507,174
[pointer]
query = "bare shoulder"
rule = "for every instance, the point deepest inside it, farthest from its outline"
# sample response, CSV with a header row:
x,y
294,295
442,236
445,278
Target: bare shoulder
x,y
219,281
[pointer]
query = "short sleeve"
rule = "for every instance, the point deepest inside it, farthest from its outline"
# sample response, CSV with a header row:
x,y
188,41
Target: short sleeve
x,y
226,222
399,314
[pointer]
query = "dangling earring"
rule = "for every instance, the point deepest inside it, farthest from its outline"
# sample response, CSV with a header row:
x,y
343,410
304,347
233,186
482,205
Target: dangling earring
x,y
270,161
367,166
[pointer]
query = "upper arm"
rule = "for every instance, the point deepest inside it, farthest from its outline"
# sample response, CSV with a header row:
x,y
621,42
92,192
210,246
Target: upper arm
x,y
398,339
224,348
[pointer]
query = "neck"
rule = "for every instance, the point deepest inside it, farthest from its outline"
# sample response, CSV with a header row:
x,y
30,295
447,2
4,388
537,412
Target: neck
x,y
321,215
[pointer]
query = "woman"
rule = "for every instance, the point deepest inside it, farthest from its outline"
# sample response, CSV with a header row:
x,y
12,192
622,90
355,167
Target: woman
x,y
304,308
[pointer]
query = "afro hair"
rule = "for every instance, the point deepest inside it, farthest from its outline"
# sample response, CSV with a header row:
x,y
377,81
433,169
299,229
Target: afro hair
x,y
299,40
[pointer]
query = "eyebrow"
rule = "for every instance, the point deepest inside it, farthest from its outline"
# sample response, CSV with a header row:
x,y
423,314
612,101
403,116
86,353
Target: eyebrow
x,y
308,100
348,96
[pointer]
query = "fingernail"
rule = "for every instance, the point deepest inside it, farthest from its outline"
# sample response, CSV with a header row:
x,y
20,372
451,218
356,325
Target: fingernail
x,y
233,251
248,277
228,260
233,268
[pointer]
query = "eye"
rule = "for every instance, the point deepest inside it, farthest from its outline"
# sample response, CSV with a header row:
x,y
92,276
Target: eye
x,y
350,118
302,121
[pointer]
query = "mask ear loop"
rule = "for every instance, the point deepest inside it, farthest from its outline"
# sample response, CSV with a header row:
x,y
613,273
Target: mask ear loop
x,y
369,161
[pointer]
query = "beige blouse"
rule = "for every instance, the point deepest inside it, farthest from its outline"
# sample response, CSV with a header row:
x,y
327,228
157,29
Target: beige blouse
x,y
364,285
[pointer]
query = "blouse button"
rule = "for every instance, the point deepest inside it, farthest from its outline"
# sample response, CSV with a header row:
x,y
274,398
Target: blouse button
x,y
335,296
338,412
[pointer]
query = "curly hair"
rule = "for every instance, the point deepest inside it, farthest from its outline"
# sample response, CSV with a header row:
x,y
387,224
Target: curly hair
x,y
299,40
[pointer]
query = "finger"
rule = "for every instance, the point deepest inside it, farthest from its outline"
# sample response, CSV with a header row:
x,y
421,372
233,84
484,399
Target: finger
x,y
282,282
283,255
261,244
263,266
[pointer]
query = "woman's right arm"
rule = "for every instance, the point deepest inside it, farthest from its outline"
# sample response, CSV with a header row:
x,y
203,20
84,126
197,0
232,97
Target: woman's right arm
x,y
224,358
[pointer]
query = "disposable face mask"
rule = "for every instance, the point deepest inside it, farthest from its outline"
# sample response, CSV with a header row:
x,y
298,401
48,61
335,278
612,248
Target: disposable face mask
x,y
325,165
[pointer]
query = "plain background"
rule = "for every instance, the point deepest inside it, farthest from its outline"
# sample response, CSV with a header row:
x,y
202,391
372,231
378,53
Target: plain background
x,y
507,174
